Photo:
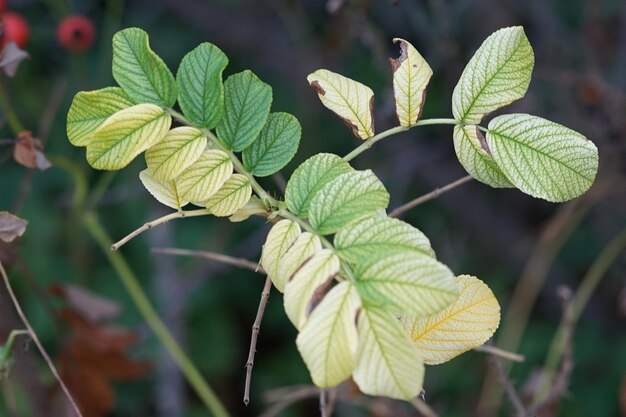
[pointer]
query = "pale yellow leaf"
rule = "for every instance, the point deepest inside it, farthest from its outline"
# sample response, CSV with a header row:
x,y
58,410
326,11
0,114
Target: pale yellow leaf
x,y
352,101
465,324
328,341
165,192
305,246
204,177
233,195
411,74
279,239
181,147
301,288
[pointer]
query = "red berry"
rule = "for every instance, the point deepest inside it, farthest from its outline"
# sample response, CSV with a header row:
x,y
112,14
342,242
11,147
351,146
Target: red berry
x,y
3,5
14,28
76,33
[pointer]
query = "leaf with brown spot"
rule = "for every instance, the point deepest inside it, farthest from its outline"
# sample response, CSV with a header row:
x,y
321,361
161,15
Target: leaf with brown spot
x,y
11,226
28,151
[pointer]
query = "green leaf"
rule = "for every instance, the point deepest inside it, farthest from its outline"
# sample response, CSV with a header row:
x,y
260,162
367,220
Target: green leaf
x,y
315,274
465,324
233,195
348,197
377,235
204,177
498,74
200,88
310,177
180,148
388,363
411,74
247,102
409,282
543,158
352,101
279,240
328,341
126,134
469,145
139,71
165,192
305,246
90,109
275,147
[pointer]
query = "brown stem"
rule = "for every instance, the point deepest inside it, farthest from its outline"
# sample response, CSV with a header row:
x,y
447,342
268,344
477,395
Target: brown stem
x,y
256,327
212,256
430,196
511,392
504,354
323,403
35,339
423,408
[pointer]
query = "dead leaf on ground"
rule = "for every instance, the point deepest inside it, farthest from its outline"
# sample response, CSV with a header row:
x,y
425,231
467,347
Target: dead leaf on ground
x,y
11,57
11,226
93,307
28,151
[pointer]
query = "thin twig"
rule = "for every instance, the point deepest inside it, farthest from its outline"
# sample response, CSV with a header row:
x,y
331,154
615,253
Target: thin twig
x,y
430,196
511,392
290,398
35,339
177,215
256,327
212,256
323,403
423,408
505,354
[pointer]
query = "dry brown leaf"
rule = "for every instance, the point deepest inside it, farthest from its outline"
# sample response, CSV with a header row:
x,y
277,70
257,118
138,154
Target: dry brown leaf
x,y
28,151
11,226
91,306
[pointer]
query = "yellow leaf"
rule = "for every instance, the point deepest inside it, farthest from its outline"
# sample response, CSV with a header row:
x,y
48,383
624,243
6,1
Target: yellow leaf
x,y
352,101
305,246
204,177
180,148
233,195
411,74
279,239
465,324
165,192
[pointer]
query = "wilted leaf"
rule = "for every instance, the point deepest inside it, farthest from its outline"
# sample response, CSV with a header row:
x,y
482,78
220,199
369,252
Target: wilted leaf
x,y
11,226
352,101
11,57
28,151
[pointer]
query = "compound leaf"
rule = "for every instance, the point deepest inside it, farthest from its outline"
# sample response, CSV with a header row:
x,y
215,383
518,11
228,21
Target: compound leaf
x,y
310,177
543,158
139,71
465,324
471,152
90,109
310,278
247,102
200,88
352,101
233,195
275,147
411,74
348,197
279,240
328,341
377,235
408,282
498,74
126,134
387,362
305,246
165,192
181,147
205,176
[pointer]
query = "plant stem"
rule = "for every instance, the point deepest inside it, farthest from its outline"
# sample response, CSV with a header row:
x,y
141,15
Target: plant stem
x,y
212,256
12,119
141,301
147,226
35,339
504,354
394,130
430,196
8,345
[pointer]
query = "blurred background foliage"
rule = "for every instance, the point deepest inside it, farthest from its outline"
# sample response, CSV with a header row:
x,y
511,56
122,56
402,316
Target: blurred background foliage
x,y
525,249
